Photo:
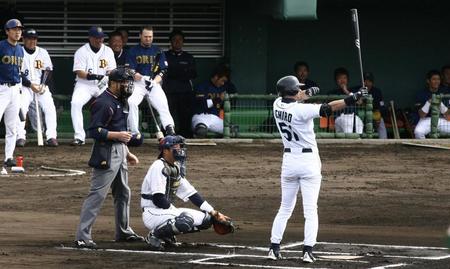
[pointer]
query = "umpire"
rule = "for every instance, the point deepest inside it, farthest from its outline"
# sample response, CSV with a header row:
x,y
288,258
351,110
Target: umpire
x,y
109,159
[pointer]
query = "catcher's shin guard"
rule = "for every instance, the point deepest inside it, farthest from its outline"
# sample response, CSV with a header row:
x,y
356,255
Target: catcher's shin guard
x,y
184,223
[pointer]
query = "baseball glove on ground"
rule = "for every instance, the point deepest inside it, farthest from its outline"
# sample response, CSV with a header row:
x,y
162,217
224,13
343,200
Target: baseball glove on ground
x,y
222,224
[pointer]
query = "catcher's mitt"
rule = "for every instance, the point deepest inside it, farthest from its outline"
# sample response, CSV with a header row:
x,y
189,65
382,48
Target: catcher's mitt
x,y
222,224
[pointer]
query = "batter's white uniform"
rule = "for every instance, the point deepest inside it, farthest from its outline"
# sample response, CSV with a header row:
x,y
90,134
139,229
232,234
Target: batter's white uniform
x,y
156,182
301,168
33,66
95,63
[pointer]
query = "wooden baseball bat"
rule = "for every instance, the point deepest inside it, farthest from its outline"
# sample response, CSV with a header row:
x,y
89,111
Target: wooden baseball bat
x,y
394,122
355,22
40,137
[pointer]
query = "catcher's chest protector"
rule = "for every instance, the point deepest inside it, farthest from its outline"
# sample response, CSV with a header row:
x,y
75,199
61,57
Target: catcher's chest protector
x,y
172,174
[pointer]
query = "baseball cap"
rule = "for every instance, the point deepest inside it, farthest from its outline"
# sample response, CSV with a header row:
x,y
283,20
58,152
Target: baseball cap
x,y
368,76
13,23
96,31
30,33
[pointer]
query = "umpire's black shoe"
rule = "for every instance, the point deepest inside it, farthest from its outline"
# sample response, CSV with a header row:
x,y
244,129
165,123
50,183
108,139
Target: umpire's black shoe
x,y
131,238
20,142
85,244
77,142
274,252
9,163
52,142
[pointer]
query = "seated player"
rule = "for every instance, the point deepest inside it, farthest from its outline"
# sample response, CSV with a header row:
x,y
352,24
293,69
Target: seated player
x,y
423,104
208,103
345,118
164,180
301,71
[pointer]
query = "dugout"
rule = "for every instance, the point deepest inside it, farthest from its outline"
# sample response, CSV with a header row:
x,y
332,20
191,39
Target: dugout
x,y
401,39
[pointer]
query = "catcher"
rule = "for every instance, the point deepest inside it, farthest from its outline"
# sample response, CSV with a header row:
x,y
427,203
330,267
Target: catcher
x,y
164,180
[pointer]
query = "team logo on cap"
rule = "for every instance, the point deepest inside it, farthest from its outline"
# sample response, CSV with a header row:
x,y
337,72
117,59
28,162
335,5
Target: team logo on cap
x,y
99,29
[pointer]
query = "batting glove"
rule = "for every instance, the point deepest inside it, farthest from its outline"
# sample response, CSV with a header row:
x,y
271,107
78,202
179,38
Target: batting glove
x,y
312,91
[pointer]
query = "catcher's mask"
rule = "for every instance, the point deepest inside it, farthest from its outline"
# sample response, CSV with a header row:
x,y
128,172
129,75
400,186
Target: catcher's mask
x,y
170,142
125,77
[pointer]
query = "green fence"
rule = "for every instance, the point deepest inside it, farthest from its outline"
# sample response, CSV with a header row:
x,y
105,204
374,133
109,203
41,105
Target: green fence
x,y
250,116
436,100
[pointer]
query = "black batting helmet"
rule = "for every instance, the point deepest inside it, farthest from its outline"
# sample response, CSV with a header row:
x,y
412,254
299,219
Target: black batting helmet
x,y
288,86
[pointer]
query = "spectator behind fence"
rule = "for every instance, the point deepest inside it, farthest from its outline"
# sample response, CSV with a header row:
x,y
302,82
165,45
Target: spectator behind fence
x,y
423,103
115,42
379,110
345,118
177,83
301,70
208,103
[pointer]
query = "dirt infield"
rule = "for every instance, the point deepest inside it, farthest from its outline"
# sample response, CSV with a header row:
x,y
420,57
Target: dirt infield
x,y
373,196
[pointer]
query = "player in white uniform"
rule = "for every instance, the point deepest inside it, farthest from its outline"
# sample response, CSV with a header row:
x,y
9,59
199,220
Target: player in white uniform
x,y
301,168
35,61
165,179
91,63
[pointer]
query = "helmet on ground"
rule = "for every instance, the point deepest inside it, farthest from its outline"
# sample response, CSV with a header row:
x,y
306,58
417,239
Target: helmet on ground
x,y
288,85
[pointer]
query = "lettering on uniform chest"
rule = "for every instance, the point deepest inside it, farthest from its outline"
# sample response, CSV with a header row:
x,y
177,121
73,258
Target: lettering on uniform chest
x,y
103,63
283,115
14,60
38,64
145,59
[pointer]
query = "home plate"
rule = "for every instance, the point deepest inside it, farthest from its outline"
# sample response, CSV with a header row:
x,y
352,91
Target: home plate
x,y
340,257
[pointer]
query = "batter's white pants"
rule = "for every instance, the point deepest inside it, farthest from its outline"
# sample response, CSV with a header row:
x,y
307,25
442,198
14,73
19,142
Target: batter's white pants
x,y
9,109
155,98
423,127
48,106
299,171
153,217
344,124
212,122
82,93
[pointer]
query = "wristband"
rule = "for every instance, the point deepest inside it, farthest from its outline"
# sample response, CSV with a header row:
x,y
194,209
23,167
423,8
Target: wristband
x,y
206,207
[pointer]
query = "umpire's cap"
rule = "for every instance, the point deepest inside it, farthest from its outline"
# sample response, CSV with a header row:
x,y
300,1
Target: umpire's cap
x,y
288,86
121,74
30,33
13,23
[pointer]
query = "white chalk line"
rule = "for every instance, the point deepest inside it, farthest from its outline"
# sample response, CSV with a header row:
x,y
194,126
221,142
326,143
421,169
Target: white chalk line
x,y
432,258
256,266
389,266
67,173
384,246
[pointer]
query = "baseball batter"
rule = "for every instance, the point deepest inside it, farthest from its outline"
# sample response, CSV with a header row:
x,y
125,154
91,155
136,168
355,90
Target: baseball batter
x,y
301,167
36,61
11,55
91,63
166,179
149,73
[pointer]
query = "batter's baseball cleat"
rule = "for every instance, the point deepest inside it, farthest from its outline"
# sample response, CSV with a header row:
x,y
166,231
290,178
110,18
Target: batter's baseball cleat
x,y
85,244
308,257
131,238
9,163
20,142
274,252
52,142
77,142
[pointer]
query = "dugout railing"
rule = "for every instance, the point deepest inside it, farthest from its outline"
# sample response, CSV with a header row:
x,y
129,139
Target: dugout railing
x,y
436,100
250,116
